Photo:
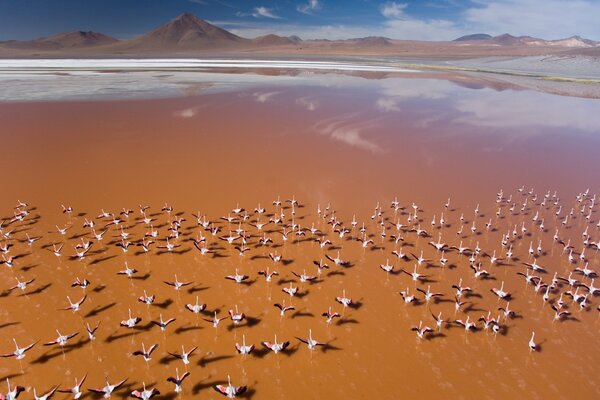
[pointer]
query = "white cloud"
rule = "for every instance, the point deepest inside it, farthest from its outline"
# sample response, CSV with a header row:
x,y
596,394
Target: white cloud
x,y
417,29
548,19
310,7
392,9
264,12
251,29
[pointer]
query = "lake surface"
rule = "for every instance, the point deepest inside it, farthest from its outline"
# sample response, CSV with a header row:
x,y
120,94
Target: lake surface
x,y
209,141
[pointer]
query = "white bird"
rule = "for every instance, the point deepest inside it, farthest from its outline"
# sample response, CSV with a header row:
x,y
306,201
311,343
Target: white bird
x,y
310,342
19,352
196,308
176,284
276,347
230,391
108,389
74,306
61,340
178,380
421,330
343,300
12,394
145,353
215,320
500,292
145,394
532,345
184,356
75,389
466,324
46,396
237,278
429,294
283,308
243,348
131,322
330,315
236,317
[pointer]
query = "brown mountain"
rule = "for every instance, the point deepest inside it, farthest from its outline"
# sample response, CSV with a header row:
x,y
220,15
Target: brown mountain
x,y
186,32
65,40
273,40
189,35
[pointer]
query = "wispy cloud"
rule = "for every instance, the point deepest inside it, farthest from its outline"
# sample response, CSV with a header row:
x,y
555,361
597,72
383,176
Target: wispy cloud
x,y
265,12
310,7
559,19
400,25
548,19
391,9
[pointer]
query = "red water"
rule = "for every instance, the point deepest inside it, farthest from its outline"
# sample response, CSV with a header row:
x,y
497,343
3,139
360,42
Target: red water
x,y
209,153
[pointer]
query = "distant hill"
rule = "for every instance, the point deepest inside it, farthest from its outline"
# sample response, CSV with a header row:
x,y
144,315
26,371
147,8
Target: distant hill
x,y
510,40
475,36
65,40
273,40
189,35
574,41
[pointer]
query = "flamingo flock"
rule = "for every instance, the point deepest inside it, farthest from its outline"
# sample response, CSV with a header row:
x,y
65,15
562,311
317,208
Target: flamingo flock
x,y
409,254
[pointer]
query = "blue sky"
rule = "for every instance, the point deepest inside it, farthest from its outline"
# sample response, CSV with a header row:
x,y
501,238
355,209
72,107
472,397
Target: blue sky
x,y
309,19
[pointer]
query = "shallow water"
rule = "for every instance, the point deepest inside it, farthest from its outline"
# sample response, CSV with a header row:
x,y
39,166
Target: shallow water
x,y
342,140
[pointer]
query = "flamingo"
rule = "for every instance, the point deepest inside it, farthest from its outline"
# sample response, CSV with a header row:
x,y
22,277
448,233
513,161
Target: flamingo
x,y
275,347
310,342
19,352
230,391
178,380
421,330
75,389
184,356
243,348
108,389
145,353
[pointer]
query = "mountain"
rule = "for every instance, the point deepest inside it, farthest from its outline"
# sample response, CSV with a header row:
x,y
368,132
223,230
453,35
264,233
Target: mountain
x,y
510,40
475,36
65,40
186,32
273,40
573,41
190,35
371,41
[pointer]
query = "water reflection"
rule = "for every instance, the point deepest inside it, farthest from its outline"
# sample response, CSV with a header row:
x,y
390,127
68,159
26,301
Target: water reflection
x,y
430,99
350,129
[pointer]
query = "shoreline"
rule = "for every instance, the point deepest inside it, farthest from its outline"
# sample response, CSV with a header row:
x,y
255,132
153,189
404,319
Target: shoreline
x,y
517,73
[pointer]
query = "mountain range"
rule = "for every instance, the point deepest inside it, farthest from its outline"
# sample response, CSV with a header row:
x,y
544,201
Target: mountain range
x,y
188,34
